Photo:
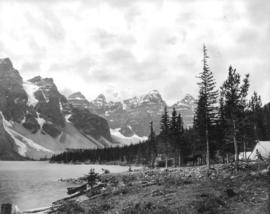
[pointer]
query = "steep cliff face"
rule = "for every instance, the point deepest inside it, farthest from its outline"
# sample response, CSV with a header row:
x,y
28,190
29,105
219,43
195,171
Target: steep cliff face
x,y
8,149
49,104
90,124
13,98
35,119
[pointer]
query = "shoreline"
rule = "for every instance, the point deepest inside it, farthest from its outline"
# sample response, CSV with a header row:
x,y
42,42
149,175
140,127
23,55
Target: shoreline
x,y
112,163
184,188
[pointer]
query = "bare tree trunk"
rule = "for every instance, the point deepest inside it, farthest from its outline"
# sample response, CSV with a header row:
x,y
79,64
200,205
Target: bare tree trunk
x,y
153,161
179,159
6,209
245,151
207,150
175,158
236,158
166,161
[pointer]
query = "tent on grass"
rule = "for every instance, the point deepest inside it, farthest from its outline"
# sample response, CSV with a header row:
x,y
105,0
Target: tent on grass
x,y
244,155
262,148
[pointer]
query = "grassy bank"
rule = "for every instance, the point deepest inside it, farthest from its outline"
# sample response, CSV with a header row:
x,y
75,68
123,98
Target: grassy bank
x,y
186,190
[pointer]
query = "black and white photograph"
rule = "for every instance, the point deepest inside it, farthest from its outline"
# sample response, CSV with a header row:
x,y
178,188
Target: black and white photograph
x,y
135,107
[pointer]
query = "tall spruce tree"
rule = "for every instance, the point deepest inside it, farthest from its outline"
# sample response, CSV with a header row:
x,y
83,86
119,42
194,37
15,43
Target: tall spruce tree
x,y
221,129
164,133
152,146
266,121
205,116
179,139
234,95
174,133
255,107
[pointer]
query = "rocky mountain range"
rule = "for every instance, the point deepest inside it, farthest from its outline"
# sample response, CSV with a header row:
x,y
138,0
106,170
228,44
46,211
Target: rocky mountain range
x,y
37,121
129,119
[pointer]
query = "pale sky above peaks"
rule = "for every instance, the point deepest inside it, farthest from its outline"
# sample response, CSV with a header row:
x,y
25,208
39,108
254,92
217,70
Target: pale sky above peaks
x,y
125,48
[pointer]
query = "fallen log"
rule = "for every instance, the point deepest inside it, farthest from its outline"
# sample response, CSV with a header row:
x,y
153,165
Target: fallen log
x,y
82,192
72,190
37,210
70,197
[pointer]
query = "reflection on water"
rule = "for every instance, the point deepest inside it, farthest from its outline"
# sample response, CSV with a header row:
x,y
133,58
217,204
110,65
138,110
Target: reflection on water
x,y
35,184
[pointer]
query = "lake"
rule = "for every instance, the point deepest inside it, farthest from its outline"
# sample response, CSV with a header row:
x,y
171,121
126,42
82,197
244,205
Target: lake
x,y
34,184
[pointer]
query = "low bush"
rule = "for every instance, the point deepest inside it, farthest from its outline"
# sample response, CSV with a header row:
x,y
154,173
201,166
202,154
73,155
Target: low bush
x,y
149,208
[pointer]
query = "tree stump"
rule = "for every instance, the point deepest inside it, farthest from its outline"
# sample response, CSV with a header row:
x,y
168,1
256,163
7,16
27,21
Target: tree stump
x,y
6,209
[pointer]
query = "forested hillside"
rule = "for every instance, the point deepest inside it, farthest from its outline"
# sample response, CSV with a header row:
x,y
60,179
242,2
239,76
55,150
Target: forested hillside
x,y
226,123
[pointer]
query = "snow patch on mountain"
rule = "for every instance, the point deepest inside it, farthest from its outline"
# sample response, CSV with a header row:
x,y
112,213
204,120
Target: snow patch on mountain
x,y
153,97
40,121
124,106
45,97
30,88
119,137
21,141
78,98
28,142
60,106
22,149
67,118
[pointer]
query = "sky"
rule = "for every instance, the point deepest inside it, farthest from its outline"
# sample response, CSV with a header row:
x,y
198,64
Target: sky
x,y
125,48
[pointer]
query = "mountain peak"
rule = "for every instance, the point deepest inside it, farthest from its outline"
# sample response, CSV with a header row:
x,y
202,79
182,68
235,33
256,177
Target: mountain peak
x,y
35,79
7,72
100,101
152,97
154,92
100,98
78,100
77,95
6,61
40,80
6,65
188,99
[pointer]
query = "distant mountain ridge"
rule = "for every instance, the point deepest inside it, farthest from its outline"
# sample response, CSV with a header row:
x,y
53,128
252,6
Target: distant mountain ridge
x,y
37,121
131,117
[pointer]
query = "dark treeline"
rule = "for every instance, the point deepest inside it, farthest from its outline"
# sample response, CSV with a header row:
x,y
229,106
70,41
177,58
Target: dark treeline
x,y
129,154
226,123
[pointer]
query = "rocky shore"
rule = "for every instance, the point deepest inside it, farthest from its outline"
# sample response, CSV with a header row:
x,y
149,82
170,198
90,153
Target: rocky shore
x,y
187,190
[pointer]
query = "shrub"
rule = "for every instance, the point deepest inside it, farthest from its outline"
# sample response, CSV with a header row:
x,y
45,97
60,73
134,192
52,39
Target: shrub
x,y
71,207
149,208
92,178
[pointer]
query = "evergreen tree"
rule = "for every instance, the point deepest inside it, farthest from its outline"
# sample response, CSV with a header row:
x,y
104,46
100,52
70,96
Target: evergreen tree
x,y
92,178
174,133
255,107
179,139
205,116
266,121
173,122
152,149
221,129
164,133
234,94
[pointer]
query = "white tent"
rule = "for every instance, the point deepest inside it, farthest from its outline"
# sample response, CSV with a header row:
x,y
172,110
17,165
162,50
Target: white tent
x,y
263,147
243,156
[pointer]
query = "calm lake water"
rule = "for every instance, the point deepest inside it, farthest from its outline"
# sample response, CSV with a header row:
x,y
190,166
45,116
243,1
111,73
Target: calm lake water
x,y
35,184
